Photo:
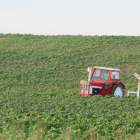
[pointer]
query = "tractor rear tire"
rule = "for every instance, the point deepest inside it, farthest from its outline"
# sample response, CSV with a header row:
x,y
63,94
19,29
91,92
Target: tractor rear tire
x,y
117,90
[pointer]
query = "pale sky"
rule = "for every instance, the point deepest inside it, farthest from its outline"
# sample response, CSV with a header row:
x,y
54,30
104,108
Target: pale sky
x,y
70,17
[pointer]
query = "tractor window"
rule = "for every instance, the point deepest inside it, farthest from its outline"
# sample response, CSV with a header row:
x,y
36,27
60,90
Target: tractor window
x,y
97,73
100,74
116,77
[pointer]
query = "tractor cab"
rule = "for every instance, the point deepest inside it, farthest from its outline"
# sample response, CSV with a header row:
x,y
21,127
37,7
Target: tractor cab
x,y
102,81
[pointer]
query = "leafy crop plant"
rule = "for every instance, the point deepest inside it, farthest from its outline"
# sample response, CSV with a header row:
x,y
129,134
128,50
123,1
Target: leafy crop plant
x,y
39,73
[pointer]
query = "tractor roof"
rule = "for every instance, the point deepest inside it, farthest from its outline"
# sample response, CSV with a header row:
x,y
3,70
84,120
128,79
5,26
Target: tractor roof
x,y
105,68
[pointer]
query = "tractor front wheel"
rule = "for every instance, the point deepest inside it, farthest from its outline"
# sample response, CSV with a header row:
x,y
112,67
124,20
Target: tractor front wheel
x,y
117,90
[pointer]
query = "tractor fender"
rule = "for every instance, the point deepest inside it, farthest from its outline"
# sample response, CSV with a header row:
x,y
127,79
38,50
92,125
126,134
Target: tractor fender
x,y
119,83
122,84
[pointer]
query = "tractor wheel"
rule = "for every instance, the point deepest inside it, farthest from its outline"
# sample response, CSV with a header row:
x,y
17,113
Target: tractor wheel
x,y
117,90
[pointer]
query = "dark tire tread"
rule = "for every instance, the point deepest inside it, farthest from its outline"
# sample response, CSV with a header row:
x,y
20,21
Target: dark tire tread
x,y
114,88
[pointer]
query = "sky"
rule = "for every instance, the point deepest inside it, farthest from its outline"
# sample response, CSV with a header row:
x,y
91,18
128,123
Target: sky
x,y
70,17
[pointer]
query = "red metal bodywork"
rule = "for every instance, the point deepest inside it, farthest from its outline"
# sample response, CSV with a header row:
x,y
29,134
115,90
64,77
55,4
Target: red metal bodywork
x,y
100,84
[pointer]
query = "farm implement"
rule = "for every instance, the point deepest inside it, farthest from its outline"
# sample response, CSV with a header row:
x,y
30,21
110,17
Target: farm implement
x,y
138,92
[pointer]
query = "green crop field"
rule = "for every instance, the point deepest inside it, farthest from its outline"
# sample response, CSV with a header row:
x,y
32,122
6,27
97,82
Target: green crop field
x,y
38,75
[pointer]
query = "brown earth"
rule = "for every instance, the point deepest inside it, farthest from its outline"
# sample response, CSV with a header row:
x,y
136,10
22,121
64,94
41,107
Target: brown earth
x,y
3,38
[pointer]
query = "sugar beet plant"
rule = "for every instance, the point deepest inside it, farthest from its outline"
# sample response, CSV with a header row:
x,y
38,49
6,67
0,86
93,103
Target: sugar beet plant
x,y
39,73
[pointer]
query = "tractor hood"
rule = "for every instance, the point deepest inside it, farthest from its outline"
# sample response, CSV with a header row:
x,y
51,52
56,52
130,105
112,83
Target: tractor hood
x,y
96,83
95,87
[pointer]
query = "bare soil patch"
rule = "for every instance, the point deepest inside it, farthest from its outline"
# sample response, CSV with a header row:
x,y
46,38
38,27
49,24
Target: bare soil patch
x,y
1,38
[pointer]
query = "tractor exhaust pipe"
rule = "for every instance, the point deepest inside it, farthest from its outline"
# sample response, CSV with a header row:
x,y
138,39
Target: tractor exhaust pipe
x,y
89,69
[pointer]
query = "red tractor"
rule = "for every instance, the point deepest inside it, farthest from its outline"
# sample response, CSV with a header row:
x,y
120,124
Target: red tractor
x,y
102,81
